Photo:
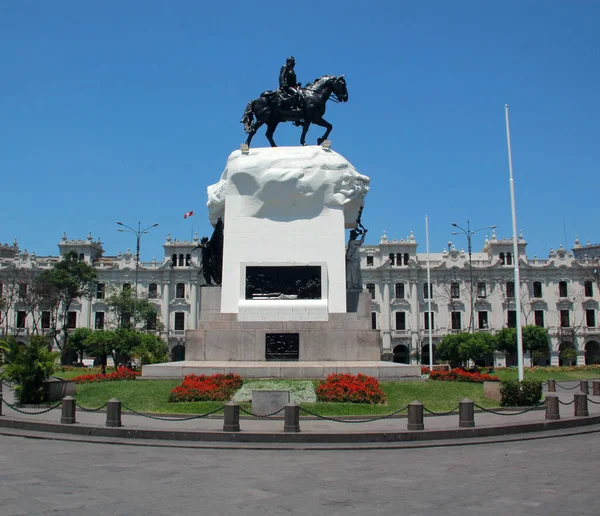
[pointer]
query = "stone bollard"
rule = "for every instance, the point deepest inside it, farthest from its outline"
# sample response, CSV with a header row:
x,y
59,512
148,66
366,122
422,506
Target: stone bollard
x,y
584,386
113,413
292,418
581,406
552,407
68,411
596,388
466,414
231,417
415,416
551,385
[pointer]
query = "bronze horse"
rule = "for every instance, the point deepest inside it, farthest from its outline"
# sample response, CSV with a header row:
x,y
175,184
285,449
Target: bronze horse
x,y
270,109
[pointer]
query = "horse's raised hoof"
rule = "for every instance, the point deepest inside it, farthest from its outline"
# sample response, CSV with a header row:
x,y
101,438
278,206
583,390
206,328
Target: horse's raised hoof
x,y
320,141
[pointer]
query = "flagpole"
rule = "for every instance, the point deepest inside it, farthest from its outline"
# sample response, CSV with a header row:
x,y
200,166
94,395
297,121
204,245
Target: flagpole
x,y
515,252
429,295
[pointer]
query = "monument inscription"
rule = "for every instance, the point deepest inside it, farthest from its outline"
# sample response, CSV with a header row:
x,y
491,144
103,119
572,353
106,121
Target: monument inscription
x,y
282,346
283,282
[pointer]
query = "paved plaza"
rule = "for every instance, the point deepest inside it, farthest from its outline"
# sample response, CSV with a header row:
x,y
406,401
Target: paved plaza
x,y
536,477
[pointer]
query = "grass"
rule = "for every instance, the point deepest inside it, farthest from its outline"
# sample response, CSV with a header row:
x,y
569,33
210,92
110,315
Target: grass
x,y
548,375
152,396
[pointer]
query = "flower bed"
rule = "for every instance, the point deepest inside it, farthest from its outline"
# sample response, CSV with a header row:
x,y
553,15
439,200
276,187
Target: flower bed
x,y
350,388
459,375
122,373
218,387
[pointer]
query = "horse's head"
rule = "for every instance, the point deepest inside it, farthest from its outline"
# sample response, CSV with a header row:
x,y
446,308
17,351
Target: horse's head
x,y
340,90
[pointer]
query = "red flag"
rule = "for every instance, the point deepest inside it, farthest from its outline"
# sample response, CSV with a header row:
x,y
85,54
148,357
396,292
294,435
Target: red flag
x,y
188,214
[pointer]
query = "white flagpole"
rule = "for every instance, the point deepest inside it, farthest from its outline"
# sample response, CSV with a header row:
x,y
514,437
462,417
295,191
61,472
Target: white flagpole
x,y
429,295
515,252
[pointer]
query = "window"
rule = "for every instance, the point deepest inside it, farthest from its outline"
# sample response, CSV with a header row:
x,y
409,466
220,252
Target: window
x,y
174,260
511,318
181,262
483,320
99,324
454,290
369,260
562,289
374,320
481,290
401,320
71,320
126,319
502,260
406,258
588,289
590,318
188,259
151,322
179,321
153,291
126,286
537,289
426,320
21,318
539,318
100,291
399,290
22,290
371,289
427,291
45,320
392,259
81,256
564,318
456,321
180,290
510,289
508,259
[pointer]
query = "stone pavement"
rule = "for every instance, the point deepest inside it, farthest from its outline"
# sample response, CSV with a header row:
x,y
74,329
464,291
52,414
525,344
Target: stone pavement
x,y
313,430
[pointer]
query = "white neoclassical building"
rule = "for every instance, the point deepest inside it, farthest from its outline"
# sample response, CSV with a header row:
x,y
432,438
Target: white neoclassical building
x,y
559,293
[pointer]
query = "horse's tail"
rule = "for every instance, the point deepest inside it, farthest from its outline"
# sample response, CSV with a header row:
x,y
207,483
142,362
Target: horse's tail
x,y
248,118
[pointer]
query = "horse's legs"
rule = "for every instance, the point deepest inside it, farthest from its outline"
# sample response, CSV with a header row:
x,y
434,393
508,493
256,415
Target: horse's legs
x,y
271,126
253,132
323,123
304,131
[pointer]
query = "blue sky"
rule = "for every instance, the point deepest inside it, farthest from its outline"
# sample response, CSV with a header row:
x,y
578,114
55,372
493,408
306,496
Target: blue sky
x,y
128,110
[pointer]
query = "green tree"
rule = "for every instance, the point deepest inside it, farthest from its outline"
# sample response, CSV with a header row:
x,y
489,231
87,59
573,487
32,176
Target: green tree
x,y
29,367
535,340
120,304
101,344
126,343
68,280
569,355
449,347
476,346
77,340
151,349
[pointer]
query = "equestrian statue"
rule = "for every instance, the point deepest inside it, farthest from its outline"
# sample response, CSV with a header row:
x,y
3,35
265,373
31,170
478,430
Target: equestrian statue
x,y
292,103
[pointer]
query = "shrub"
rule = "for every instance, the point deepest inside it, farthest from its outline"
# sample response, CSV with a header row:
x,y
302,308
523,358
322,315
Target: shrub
x,y
218,387
520,394
459,375
350,388
122,373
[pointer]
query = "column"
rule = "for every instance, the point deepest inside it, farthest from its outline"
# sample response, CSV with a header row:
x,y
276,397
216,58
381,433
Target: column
x,y
415,343
193,324
385,316
165,307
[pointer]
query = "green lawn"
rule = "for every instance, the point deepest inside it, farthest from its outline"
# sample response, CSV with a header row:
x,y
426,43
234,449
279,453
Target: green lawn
x,y
554,375
152,396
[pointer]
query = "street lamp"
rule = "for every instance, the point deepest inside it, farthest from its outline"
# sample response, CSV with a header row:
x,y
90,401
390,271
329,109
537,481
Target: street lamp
x,y
138,234
469,233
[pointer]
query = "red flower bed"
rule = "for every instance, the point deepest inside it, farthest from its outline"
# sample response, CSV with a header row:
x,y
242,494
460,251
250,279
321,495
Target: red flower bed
x,y
122,373
350,388
218,387
459,375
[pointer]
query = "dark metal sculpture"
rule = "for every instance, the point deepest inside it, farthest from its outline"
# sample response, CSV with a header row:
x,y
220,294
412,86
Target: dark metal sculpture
x,y
212,255
353,274
291,103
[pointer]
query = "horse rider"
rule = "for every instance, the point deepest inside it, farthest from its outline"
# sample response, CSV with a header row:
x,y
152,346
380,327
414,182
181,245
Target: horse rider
x,y
288,84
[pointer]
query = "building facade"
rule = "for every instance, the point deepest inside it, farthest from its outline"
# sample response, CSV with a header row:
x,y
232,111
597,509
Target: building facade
x,y
476,293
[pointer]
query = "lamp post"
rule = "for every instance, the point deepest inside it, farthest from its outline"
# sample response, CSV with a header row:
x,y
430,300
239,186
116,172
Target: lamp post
x,y
469,233
138,234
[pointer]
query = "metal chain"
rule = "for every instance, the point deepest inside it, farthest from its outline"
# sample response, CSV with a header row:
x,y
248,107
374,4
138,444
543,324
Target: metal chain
x,y
258,415
30,413
352,420
592,401
173,418
441,413
510,413
91,409
563,403
568,388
